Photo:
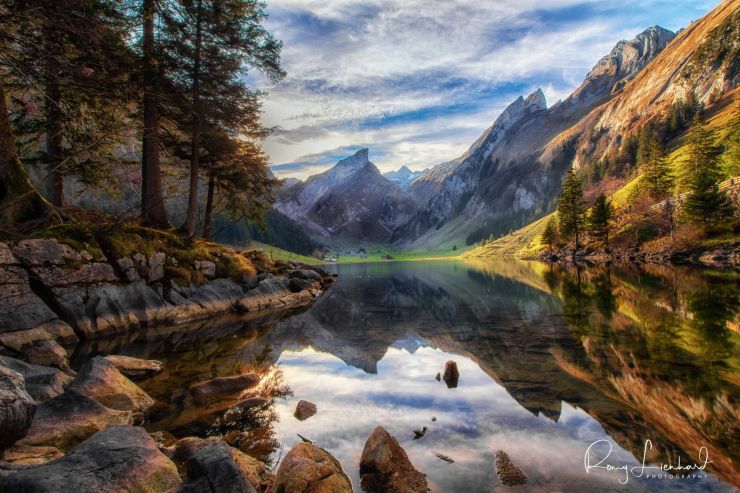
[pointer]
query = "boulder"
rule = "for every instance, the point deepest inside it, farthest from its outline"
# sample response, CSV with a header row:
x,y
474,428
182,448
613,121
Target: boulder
x,y
310,469
100,380
224,386
16,407
304,410
213,469
70,418
305,274
116,460
49,353
135,368
184,448
385,467
42,382
451,375
156,266
255,471
28,455
297,284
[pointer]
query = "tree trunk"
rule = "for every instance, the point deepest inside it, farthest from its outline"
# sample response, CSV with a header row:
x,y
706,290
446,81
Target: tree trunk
x,y
21,206
54,116
152,199
192,214
209,209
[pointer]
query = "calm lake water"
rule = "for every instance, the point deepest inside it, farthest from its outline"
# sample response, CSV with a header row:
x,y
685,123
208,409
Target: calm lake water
x,y
551,362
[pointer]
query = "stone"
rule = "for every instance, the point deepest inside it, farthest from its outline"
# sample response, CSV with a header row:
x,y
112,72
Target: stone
x,y
297,284
507,471
49,353
116,460
224,386
304,410
213,469
451,375
184,448
135,368
70,418
27,455
305,274
41,382
41,251
385,467
310,469
156,266
128,267
254,470
17,408
208,268
99,379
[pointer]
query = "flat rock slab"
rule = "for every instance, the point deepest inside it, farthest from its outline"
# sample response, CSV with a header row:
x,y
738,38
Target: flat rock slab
x,y
116,460
100,380
310,469
70,418
385,467
135,368
224,386
29,455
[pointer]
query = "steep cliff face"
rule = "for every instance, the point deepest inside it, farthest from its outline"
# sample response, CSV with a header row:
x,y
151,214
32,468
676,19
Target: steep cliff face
x,y
512,173
349,203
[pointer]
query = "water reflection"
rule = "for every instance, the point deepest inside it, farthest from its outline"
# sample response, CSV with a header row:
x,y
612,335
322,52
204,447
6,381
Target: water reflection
x,y
551,360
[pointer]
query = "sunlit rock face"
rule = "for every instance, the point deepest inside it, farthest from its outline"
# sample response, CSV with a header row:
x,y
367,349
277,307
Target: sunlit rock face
x,y
351,202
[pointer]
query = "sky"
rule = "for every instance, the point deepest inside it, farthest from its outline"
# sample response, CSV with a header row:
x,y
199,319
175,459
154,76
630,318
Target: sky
x,y
417,81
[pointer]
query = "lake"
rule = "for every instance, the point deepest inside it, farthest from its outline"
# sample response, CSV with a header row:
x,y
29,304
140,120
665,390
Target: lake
x,y
558,367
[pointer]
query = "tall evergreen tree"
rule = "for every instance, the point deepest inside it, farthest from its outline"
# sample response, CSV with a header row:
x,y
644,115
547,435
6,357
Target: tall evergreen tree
x,y
599,219
706,205
549,236
209,45
571,209
656,178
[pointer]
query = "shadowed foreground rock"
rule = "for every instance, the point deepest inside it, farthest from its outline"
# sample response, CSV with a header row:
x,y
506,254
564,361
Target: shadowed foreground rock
x,y
118,459
385,467
310,469
16,407
101,380
213,469
42,382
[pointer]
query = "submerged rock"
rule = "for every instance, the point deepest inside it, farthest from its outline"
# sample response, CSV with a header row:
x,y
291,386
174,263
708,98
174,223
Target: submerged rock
x,y
100,380
310,469
116,460
70,418
16,407
451,375
42,382
507,471
135,368
304,410
385,467
224,386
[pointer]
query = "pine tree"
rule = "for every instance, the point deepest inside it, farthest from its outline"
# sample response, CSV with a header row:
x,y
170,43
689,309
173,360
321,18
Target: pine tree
x,y
656,179
599,218
571,209
706,206
549,236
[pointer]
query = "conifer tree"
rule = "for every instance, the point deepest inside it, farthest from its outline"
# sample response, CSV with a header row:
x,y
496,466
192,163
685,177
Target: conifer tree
x,y
706,205
599,219
656,179
571,209
549,236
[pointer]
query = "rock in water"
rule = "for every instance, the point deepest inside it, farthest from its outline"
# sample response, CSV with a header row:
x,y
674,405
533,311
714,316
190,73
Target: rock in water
x,y
507,471
116,460
70,418
224,386
385,467
16,407
100,380
213,469
451,375
310,469
304,410
135,368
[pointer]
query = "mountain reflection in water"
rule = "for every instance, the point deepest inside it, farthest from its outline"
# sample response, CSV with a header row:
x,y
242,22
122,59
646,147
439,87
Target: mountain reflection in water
x,y
551,360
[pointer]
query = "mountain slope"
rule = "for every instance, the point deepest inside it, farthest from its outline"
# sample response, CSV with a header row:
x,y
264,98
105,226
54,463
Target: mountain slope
x,y
512,173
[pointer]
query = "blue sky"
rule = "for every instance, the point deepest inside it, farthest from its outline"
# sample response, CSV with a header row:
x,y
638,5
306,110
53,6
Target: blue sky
x,y
417,81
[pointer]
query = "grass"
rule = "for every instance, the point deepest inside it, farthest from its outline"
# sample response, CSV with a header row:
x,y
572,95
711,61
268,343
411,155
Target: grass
x,y
275,253
524,242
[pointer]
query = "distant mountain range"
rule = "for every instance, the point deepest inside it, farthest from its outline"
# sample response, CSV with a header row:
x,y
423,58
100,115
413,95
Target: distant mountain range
x,y
511,175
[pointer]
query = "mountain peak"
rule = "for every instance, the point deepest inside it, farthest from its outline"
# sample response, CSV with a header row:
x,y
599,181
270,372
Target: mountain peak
x,y
536,100
356,160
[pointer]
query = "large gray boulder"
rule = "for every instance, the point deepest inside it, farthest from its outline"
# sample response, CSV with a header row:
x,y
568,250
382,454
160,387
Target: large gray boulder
x,y
42,382
116,460
385,467
70,418
213,469
310,469
16,407
99,379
